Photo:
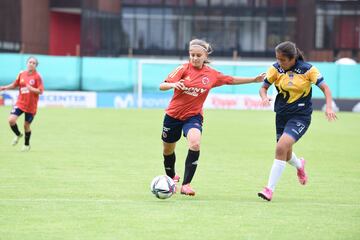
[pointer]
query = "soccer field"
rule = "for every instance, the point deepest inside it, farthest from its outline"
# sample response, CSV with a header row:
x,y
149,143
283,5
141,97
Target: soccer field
x,y
88,173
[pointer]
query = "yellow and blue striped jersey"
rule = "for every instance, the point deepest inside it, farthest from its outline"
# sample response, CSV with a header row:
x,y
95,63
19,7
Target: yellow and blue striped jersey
x,y
294,87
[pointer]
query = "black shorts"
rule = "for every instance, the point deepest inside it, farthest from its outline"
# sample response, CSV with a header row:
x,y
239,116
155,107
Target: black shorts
x,y
172,127
293,125
29,117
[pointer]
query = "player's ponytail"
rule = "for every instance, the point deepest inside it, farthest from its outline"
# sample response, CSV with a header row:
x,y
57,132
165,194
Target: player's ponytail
x,y
289,50
300,55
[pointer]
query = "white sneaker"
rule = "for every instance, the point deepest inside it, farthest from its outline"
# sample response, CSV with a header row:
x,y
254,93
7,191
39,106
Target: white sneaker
x,y
16,139
25,148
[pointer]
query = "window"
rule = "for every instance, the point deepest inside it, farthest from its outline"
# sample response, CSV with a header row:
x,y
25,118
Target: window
x,y
128,26
201,3
215,33
141,32
252,35
216,2
274,32
171,2
185,32
156,29
171,28
230,34
337,26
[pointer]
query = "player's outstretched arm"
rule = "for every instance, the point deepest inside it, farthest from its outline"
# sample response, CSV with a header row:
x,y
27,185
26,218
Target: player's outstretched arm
x,y
7,87
244,80
329,112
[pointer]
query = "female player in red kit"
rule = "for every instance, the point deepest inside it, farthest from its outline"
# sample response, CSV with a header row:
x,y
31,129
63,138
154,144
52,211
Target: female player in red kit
x,y
191,82
30,87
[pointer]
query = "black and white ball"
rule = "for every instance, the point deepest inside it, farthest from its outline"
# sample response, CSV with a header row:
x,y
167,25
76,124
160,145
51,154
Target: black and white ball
x,y
163,187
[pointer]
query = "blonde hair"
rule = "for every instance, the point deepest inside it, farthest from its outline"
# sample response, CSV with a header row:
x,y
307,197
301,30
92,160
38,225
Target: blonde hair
x,y
202,44
32,57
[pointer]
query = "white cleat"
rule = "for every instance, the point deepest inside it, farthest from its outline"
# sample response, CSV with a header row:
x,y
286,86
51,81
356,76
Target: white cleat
x,y
25,148
16,139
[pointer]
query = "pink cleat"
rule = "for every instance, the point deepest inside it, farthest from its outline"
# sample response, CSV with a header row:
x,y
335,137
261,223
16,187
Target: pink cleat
x,y
187,190
301,172
266,194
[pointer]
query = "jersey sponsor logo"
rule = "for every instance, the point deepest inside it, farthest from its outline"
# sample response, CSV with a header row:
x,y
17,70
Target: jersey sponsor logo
x,y
205,80
24,90
194,91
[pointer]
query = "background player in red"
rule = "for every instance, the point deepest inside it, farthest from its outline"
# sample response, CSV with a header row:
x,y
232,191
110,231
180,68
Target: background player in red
x,y
191,83
30,87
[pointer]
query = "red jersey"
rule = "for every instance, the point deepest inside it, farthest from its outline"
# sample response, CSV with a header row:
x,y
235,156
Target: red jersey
x,y
198,82
27,101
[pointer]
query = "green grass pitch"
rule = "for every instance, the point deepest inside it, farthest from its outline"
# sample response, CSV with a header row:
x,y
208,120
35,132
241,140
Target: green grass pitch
x,y
88,173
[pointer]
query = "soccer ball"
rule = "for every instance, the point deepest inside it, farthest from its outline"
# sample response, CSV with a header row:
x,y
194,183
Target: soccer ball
x,y
163,187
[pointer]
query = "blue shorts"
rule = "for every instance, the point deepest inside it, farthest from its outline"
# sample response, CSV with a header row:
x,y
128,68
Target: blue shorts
x,y
172,127
293,125
29,117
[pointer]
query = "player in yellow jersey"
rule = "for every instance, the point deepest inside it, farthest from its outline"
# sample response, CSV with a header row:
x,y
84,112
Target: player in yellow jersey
x,y
292,77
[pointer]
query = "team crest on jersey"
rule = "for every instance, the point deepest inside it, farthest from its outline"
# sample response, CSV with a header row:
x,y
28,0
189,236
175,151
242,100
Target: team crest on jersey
x,y
32,81
291,75
205,80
